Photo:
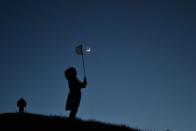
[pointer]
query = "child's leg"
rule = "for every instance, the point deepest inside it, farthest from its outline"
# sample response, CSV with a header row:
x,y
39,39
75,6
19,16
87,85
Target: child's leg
x,y
72,114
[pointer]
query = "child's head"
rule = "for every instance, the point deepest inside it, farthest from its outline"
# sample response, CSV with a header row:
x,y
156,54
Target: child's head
x,y
70,73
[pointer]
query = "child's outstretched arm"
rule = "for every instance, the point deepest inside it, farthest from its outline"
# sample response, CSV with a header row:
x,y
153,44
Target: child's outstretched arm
x,y
84,83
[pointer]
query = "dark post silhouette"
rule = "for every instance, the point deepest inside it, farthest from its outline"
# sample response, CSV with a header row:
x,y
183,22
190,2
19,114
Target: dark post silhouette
x,y
74,96
21,104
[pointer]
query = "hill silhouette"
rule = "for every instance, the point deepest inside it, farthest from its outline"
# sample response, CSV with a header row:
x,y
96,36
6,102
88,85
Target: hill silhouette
x,y
32,122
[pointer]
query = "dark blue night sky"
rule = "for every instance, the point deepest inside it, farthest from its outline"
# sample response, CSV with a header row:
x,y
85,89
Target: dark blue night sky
x,y
141,72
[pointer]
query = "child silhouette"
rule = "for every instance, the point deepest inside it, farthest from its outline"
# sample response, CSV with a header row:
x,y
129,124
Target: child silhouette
x,y
74,96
